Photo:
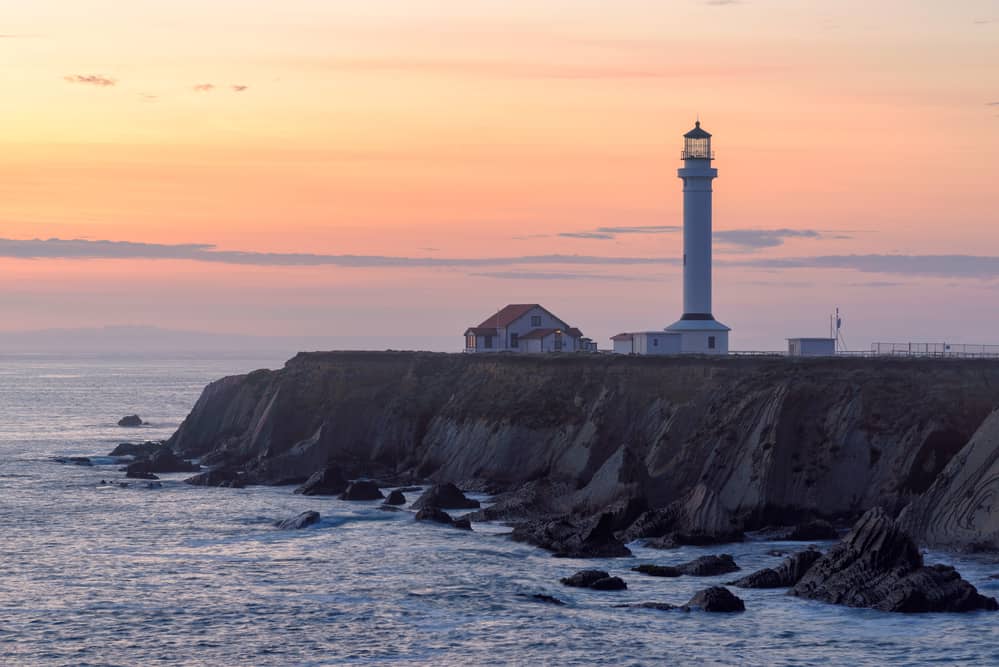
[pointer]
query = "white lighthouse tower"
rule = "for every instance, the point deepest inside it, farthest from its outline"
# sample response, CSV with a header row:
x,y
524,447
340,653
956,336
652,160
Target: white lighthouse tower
x,y
700,332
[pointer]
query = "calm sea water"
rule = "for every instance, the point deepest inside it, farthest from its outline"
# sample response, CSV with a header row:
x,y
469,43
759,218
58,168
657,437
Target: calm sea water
x,y
186,575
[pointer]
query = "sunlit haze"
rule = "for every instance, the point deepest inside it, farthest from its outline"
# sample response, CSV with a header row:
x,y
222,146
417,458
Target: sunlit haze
x,y
398,170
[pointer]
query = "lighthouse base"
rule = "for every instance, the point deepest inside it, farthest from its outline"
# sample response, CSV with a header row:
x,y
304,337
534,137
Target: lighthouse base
x,y
701,336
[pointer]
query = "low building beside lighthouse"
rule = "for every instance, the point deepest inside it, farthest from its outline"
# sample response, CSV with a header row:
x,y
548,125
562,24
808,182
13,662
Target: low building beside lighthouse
x,y
697,331
525,327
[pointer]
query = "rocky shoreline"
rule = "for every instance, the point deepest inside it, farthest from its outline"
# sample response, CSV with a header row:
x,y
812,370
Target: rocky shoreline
x,y
587,453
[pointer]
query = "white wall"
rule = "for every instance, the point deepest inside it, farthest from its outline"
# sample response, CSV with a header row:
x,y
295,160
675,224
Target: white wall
x,y
657,342
811,347
696,342
623,346
524,325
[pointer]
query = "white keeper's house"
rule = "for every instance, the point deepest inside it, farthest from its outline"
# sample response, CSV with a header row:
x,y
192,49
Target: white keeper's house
x,y
525,327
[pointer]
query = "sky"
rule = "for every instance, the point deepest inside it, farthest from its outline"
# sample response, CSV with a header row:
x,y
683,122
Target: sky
x,y
399,170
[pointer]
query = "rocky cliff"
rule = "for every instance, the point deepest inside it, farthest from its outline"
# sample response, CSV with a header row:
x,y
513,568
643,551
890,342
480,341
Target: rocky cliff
x,y
729,443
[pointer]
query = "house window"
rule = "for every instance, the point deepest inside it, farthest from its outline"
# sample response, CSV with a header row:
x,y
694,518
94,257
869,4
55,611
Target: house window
x,y
488,342
535,320
514,340
711,342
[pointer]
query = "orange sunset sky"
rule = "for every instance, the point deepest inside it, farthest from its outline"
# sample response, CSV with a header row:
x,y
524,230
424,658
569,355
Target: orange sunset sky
x,y
402,168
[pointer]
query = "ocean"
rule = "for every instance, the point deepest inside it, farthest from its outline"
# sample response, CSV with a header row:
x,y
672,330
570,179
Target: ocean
x,y
94,574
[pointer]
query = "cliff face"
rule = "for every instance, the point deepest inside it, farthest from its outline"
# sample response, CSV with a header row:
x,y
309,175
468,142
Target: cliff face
x,y
740,442
961,508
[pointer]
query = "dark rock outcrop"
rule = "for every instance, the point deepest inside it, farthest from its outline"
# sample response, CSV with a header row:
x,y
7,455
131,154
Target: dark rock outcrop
x,y
162,461
395,497
221,478
879,566
537,499
785,575
329,481
138,450
709,566
716,599
362,489
673,526
130,421
658,570
595,579
445,496
567,538
303,520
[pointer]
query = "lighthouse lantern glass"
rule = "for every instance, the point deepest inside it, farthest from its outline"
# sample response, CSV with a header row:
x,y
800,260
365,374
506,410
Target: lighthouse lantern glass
x,y
697,148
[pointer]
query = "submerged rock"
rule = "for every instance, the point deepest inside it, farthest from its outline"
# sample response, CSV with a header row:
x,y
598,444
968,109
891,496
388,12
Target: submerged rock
x,y
445,496
584,578
785,575
298,522
438,515
716,599
595,579
362,489
326,482
658,570
879,566
593,538
817,529
74,460
609,584
130,421
395,497
709,566
221,478
138,450
162,461
546,599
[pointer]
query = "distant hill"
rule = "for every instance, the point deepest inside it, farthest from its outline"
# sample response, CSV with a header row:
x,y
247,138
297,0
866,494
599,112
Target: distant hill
x,y
149,339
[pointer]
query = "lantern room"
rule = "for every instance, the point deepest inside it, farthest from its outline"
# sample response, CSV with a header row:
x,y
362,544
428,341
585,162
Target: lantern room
x,y
697,144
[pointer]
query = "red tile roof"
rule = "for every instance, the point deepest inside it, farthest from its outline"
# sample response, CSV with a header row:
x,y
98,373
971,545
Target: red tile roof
x,y
508,315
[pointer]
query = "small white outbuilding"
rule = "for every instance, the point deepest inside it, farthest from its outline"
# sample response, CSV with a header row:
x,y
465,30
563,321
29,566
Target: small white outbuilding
x,y
811,347
648,342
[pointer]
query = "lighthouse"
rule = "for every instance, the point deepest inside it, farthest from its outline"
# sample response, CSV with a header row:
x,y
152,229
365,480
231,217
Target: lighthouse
x,y
700,332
